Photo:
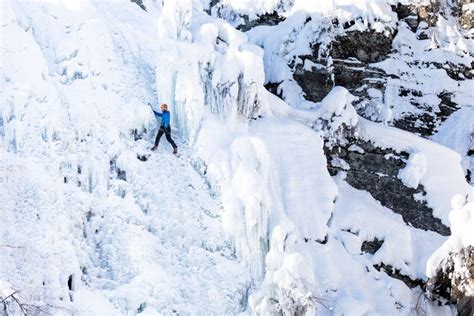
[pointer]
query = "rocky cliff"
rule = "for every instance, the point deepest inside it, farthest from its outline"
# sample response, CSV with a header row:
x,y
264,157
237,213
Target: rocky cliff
x,y
410,69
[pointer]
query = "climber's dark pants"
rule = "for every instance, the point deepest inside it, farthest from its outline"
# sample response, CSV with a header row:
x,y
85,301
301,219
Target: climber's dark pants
x,y
167,132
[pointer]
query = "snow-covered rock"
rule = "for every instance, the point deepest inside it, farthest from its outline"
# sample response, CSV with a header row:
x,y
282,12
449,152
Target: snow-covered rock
x,y
451,267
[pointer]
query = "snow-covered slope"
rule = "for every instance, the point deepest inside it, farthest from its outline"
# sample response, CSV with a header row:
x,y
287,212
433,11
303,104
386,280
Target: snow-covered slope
x,y
312,202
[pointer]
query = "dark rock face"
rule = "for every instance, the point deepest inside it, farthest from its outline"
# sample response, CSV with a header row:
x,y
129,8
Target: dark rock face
x,y
351,55
273,88
464,15
265,19
413,14
367,46
454,277
140,4
371,246
375,170
466,306
315,84
359,76
466,20
456,72
470,168
351,74
425,124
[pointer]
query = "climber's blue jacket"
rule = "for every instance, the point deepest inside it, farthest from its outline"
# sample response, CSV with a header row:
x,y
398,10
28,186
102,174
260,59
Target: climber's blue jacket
x,y
165,118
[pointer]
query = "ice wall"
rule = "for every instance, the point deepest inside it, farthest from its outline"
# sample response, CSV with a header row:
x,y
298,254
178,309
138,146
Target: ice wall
x,y
213,93
223,75
259,167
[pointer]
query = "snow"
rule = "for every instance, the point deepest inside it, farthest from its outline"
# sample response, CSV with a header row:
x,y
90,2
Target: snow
x,y
247,219
391,229
355,284
414,171
345,10
426,165
337,108
296,192
121,244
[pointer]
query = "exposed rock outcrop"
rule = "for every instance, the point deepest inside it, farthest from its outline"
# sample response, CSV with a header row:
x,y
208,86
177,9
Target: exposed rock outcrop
x,y
350,56
243,21
464,11
425,124
375,170
371,246
351,67
266,19
360,45
395,70
454,281
414,14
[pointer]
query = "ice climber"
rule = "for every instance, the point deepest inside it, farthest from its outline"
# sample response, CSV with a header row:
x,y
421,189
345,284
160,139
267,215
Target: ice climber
x,y
164,127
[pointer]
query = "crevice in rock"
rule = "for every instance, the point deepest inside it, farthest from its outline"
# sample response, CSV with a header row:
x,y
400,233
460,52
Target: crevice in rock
x,y
139,134
395,273
371,246
70,282
272,87
315,84
142,157
140,4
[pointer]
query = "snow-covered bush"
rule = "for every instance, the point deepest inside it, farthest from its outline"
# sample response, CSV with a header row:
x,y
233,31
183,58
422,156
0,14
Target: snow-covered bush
x,y
336,114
